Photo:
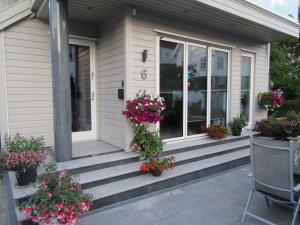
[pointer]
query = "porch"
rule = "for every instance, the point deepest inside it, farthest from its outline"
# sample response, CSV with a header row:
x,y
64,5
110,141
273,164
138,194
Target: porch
x,y
122,41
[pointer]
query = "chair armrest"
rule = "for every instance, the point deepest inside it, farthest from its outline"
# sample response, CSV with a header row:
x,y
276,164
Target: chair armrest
x,y
297,188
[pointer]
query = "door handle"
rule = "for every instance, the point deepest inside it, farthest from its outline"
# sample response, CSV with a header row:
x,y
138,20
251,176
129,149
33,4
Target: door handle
x,y
93,96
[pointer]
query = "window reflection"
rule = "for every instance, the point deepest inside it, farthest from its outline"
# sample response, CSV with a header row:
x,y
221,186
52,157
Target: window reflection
x,y
171,88
197,90
219,73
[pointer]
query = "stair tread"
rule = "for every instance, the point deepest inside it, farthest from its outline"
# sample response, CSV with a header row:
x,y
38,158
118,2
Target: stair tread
x,y
146,179
110,172
116,156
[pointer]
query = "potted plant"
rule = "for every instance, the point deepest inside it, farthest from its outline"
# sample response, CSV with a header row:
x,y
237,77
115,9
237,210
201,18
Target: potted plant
x,y
157,165
217,131
237,124
59,199
140,112
23,155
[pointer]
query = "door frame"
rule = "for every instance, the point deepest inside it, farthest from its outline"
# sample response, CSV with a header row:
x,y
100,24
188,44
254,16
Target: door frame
x,y
251,91
209,48
92,134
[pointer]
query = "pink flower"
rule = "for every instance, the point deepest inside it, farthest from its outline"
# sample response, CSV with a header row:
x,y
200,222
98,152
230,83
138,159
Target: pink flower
x,y
49,194
60,205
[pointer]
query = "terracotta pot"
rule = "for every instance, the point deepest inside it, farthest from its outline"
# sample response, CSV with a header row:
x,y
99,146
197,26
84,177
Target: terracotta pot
x,y
25,178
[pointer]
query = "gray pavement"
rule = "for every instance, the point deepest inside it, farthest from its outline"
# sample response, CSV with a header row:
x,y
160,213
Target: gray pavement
x,y
219,200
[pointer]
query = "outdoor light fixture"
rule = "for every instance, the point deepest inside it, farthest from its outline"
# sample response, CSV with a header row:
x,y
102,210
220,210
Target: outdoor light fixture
x,y
145,55
133,11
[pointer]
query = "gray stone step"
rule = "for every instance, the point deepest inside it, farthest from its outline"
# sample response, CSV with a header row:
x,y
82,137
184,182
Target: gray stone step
x,y
118,158
122,190
102,176
144,184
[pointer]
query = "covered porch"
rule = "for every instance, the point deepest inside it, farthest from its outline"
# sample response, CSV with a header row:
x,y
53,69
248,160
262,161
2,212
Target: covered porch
x,y
111,26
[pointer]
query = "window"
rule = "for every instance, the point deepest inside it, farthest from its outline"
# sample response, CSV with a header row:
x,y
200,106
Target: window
x,y
193,82
246,76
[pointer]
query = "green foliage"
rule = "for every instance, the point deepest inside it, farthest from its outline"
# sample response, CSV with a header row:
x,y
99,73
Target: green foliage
x,y
285,67
288,106
150,142
238,123
19,143
282,127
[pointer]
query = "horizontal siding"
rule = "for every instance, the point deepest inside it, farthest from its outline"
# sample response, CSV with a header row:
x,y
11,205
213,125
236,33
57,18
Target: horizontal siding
x,y
29,83
6,3
110,75
144,38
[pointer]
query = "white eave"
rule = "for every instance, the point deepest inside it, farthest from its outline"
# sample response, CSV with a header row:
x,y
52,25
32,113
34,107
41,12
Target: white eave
x,y
256,14
236,17
14,13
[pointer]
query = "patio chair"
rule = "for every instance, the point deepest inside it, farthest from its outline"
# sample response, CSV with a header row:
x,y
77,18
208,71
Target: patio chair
x,y
272,172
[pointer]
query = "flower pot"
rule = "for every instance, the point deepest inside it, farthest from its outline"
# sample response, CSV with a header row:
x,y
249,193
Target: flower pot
x,y
236,131
156,172
27,177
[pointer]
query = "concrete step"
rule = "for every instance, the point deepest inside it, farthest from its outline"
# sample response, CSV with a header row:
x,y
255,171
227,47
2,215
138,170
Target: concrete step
x,y
122,190
144,184
118,158
106,175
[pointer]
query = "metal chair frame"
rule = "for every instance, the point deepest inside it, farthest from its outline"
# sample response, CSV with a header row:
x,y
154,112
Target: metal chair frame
x,y
291,201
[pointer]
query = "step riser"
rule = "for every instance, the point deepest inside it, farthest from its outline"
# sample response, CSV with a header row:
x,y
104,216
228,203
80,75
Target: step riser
x,y
169,183
210,155
194,147
110,180
102,165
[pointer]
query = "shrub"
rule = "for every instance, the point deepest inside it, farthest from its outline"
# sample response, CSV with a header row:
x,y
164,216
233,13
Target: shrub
x,y
288,106
217,131
59,199
280,128
19,143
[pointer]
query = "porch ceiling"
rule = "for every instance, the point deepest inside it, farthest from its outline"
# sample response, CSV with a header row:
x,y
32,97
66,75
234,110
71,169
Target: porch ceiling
x,y
231,17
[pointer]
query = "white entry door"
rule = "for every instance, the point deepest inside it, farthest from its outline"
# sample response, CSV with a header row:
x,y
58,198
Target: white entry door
x,y
82,81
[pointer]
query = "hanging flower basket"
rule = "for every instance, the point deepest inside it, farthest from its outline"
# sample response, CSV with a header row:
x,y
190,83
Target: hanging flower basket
x,y
270,101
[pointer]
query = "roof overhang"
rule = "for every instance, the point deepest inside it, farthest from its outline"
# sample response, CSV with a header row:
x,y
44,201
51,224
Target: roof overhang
x,y
236,17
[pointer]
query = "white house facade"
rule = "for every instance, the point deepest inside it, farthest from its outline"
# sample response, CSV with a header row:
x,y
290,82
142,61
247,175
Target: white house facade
x,y
209,59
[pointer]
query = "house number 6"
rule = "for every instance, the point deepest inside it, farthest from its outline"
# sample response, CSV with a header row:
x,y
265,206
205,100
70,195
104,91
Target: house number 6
x,y
144,74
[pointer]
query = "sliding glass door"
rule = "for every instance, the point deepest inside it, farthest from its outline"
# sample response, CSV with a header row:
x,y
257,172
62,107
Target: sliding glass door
x,y
171,88
193,82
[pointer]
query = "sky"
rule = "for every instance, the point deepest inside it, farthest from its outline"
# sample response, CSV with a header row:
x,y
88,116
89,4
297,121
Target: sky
x,y
281,7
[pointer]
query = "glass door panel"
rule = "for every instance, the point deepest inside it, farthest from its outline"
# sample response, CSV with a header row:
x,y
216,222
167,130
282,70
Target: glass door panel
x,y
197,90
171,88
80,88
219,74
245,86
